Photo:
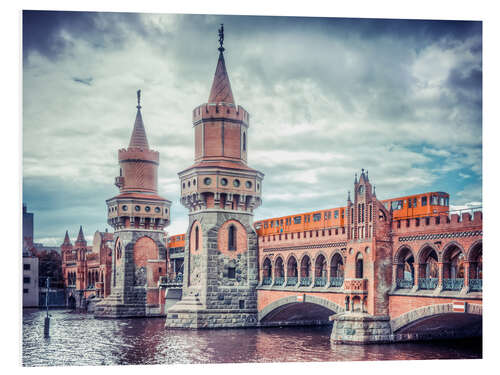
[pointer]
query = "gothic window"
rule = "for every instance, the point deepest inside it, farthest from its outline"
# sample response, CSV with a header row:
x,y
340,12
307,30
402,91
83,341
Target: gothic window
x,y
231,273
244,142
197,236
359,266
231,243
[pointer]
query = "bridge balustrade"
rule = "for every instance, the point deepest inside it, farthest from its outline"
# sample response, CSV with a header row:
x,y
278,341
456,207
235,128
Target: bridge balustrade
x,y
404,283
428,283
267,281
476,285
279,281
453,284
305,281
291,281
336,282
320,281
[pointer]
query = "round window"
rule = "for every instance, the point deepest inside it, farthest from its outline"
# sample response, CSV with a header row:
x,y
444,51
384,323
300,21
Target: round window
x,y
137,208
124,208
157,210
248,184
236,183
207,181
147,208
223,181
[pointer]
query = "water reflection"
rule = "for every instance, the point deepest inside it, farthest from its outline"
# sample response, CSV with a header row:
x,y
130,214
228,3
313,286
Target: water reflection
x,y
79,339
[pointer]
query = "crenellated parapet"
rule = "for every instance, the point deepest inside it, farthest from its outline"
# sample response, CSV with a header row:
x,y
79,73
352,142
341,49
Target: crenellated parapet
x,y
223,111
440,223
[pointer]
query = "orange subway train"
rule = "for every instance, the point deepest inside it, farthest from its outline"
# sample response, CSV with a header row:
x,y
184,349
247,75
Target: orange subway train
x,y
176,241
418,205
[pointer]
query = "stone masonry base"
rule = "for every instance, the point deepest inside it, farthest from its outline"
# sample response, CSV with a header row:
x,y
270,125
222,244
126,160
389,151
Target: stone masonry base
x,y
361,328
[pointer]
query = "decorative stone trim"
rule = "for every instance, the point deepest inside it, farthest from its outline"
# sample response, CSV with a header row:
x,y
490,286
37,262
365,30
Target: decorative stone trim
x,y
440,236
306,247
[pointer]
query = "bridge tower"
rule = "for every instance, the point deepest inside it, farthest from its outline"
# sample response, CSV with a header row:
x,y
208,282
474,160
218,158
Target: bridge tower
x,y
221,192
368,270
138,215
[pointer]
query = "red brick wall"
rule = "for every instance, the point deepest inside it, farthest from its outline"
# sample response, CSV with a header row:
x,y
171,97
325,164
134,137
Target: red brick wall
x,y
399,305
144,249
213,139
241,239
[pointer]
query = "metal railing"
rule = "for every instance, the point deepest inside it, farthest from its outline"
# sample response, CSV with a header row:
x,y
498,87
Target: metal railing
x,y
267,280
453,284
305,281
404,283
320,281
291,281
336,282
428,284
476,285
279,281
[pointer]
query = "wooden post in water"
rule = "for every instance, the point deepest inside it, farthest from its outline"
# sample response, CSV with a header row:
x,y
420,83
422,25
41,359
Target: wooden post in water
x,y
46,329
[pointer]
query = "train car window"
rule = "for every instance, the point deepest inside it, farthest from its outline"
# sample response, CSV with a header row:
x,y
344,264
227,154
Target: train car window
x,y
424,201
446,201
414,202
265,224
316,217
277,223
342,214
409,203
434,200
441,201
397,205
329,214
281,222
336,214
297,219
271,223
386,205
326,215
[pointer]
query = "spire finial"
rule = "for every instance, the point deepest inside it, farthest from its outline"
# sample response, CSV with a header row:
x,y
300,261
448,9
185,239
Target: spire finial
x,y
139,99
221,37
348,195
374,190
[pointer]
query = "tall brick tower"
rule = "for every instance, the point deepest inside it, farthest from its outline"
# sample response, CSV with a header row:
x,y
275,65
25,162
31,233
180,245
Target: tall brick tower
x,y
368,268
221,192
138,215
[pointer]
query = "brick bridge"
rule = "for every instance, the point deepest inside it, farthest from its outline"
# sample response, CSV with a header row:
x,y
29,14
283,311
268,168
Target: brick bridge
x,y
411,279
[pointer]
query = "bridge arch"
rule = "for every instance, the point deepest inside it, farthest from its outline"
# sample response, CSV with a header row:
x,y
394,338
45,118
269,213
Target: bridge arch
x,y
289,309
439,319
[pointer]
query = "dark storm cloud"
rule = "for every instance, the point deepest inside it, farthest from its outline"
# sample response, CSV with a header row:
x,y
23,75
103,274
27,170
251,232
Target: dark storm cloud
x,y
43,30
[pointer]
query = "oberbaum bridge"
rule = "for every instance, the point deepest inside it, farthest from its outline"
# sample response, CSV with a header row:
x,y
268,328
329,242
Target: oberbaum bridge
x,y
233,277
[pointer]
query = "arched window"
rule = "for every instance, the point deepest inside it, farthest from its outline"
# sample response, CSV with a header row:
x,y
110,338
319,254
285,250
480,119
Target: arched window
x,y
197,238
244,142
359,266
231,242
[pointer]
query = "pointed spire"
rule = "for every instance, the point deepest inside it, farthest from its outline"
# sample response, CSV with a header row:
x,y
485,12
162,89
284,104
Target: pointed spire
x,y
374,194
66,239
221,87
138,138
348,195
356,178
80,241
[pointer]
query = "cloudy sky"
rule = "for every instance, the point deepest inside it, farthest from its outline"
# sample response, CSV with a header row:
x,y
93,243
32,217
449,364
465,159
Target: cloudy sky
x,y
326,96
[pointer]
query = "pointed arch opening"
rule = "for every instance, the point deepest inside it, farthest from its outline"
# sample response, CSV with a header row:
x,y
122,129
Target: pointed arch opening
x,y
359,266
428,269
291,273
305,271
320,271
336,271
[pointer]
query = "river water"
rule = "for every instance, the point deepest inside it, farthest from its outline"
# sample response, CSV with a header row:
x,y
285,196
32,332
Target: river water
x,y
79,339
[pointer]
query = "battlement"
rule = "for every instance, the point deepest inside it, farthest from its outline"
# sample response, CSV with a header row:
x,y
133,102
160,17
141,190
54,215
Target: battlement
x,y
453,221
304,237
225,110
135,153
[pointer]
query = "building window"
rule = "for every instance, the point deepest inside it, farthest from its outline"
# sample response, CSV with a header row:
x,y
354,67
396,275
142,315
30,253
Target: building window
x,y
26,267
244,142
236,183
231,273
157,210
223,181
248,184
207,181
242,303
147,208
137,208
359,266
25,291
231,242
197,238
26,280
